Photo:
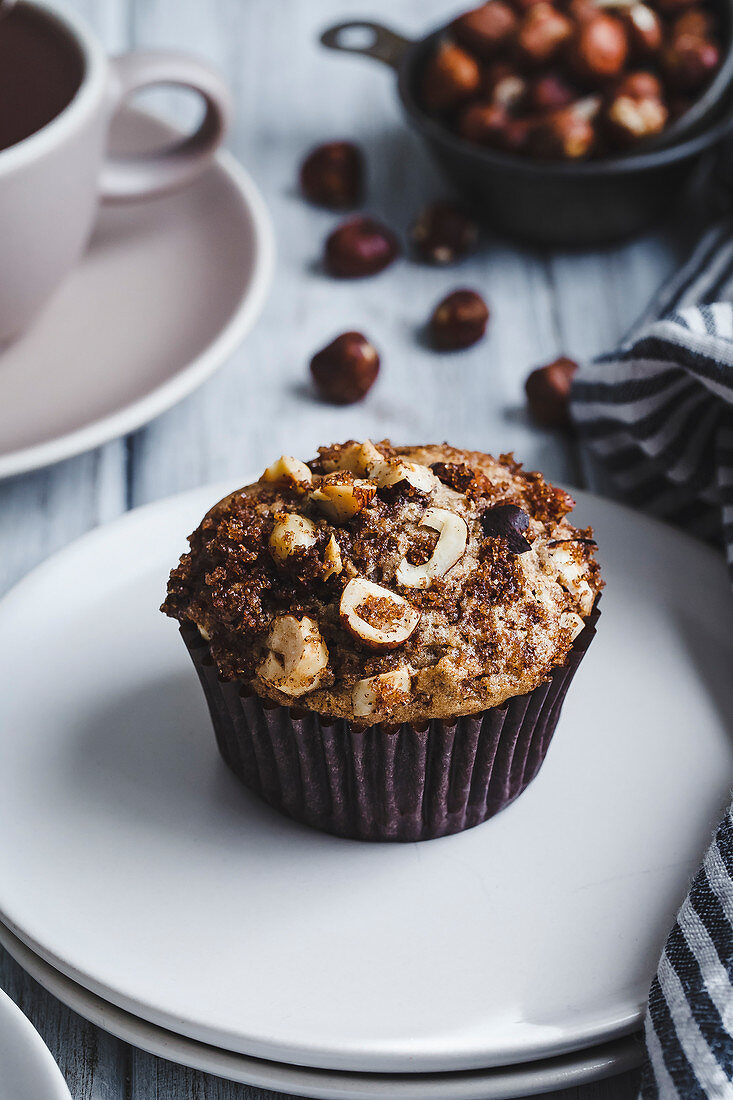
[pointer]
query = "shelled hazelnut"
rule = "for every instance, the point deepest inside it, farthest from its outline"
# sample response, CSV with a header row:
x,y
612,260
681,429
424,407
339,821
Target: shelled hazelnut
x,y
541,34
550,92
450,76
697,21
484,123
358,247
486,29
671,7
635,109
644,30
581,10
689,62
345,370
548,393
599,49
332,175
545,78
567,134
442,234
640,85
459,320
517,133
503,84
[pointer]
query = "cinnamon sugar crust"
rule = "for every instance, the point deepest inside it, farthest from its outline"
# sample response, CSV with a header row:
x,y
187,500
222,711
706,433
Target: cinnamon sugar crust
x,y
445,610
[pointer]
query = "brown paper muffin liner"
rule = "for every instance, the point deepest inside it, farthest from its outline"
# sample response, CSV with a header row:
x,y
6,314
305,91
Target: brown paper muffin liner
x,y
385,783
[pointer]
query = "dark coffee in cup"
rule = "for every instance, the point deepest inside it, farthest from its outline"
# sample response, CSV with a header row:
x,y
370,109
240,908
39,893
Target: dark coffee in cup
x,y
41,70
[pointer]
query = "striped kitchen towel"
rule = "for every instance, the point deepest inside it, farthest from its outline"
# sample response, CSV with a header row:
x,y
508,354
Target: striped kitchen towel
x,y
656,418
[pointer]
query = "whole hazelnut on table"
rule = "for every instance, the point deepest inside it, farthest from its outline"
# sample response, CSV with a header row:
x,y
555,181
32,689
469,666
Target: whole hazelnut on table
x,y
442,233
332,175
542,33
548,393
450,76
358,247
486,29
459,320
689,62
345,370
599,48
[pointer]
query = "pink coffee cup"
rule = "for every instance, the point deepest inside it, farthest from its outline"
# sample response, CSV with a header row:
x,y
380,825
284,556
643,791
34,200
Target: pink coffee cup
x,y
65,90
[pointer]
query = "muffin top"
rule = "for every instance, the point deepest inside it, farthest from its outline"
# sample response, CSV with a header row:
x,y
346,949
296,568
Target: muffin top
x,y
389,584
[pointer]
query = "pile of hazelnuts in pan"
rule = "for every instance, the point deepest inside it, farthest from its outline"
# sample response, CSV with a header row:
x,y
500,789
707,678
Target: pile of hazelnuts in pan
x,y
333,175
570,79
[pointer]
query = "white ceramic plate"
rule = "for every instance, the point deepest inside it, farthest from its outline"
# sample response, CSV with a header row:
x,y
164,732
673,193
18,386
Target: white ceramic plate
x,y
165,293
494,1084
208,913
27,1068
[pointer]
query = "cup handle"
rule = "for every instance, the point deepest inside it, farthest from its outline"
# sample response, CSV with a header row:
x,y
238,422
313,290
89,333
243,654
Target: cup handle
x,y
368,39
126,179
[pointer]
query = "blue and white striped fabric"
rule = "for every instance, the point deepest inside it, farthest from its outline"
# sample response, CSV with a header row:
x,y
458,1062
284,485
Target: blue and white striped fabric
x,y
656,418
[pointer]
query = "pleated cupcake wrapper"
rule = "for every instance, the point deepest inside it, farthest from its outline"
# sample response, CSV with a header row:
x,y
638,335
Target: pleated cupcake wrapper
x,y
385,783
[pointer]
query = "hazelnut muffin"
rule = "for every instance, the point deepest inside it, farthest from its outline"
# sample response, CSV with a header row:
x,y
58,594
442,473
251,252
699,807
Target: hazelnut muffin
x,y
385,635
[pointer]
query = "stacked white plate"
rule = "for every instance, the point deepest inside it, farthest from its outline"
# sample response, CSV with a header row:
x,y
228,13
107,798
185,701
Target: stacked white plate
x,y
147,889
27,1068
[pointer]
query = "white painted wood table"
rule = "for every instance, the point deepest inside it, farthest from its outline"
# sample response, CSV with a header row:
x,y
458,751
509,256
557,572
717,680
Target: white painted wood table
x,y
290,94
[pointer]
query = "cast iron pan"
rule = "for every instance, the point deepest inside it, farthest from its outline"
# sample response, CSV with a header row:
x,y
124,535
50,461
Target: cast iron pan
x,y
541,202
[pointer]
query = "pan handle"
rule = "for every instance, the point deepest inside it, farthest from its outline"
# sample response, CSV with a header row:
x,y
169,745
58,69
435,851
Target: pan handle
x,y
367,39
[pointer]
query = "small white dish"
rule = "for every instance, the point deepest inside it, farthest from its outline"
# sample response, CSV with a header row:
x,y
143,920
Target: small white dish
x,y
27,1068
565,1072
164,294
209,914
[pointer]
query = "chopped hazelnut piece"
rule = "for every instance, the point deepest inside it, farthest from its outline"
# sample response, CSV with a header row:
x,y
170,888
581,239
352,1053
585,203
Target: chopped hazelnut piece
x,y
449,549
358,458
363,459
289,472
397,470
290,534
340,497
377,617
332,562
296,655
383,692
570,575
570,621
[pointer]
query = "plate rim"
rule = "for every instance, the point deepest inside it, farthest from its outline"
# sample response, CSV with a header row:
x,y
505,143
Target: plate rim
x,y
565,1071
591,1035
58,1088
141,411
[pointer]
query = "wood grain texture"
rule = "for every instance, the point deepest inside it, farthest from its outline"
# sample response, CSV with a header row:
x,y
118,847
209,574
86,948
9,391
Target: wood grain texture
x,y
289,95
